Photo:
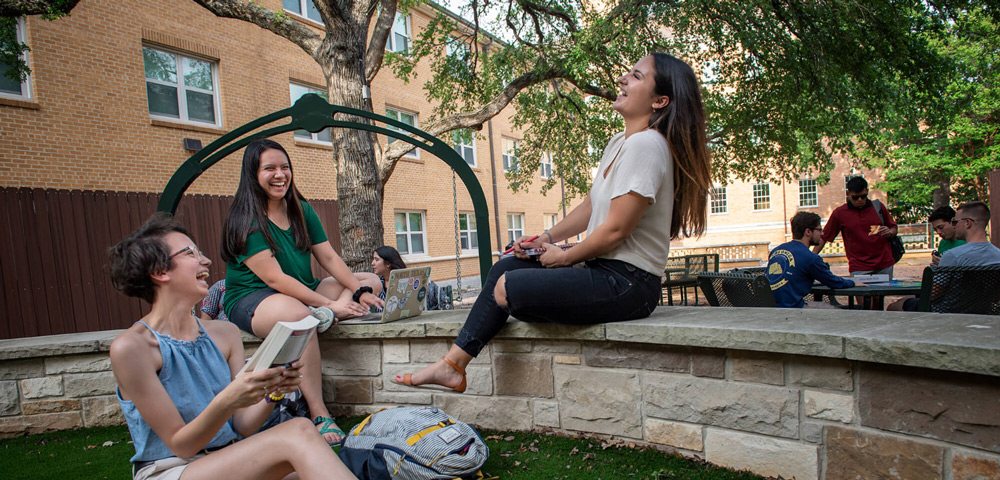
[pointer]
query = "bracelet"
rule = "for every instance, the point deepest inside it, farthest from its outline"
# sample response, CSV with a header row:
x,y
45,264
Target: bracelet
x,y
549,234
274,397
361,291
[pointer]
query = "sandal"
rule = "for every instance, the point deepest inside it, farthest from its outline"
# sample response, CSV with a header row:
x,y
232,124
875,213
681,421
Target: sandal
x,y
408,380
328,425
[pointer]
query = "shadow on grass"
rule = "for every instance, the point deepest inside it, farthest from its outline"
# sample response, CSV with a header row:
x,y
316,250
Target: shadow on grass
x,y
103,453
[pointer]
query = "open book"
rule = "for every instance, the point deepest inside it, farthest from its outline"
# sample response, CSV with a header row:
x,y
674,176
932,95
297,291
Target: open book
x,y
283,345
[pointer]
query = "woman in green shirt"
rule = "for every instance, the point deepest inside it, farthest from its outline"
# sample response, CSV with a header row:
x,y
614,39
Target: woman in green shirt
x,y
269,272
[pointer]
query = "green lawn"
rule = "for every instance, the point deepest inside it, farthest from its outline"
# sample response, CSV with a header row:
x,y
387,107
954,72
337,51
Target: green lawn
x,y
99,453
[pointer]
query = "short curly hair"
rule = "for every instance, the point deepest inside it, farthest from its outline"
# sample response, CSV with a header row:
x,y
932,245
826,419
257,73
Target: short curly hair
x,y
141,254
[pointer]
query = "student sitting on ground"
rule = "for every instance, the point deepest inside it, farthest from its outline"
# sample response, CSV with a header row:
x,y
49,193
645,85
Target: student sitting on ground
x,y
792,268
941,219
178,387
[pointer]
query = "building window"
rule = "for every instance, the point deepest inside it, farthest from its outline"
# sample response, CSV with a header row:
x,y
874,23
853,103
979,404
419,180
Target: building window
x,y
808,195
717,200
180,87
297,91
509,155
410,233
467,231
550,220
399,38
547,165
302,8
465,145
515,226
407,118
762,196
15,87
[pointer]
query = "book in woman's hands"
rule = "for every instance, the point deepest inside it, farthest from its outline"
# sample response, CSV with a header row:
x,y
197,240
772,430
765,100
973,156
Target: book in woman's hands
x,y
283,345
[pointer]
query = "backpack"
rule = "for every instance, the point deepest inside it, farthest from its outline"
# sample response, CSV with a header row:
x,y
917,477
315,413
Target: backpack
x,y
894,241
413,443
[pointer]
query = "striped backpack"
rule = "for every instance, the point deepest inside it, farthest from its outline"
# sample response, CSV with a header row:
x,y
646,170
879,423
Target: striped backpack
x,y
413,443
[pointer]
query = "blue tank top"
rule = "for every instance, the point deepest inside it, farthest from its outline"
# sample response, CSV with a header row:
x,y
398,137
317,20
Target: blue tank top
x,y
193,373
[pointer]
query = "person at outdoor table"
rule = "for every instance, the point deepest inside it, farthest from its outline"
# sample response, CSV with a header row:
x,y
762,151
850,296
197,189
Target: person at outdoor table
x,y
650,187
189,411
792,268
866,240
970,225
941,219
269,239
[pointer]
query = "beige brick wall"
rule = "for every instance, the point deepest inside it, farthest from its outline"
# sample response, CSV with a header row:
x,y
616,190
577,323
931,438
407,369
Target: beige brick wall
x,y
88,124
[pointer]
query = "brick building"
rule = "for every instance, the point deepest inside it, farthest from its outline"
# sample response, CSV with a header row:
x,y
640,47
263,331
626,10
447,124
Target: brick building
x,y
117,86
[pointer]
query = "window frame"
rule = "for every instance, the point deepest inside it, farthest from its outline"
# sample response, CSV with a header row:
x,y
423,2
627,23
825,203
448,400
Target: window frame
x,y
461,147
313,137
472,234
415,153
815,193
550,220
506,155
409,233
510,226
390,43
755,196
21,36
303,11
713,200
182,113
547,160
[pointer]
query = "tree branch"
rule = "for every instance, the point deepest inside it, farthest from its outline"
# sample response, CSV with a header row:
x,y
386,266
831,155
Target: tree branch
x,y
531,7
473,120
376,46
250,12
17,8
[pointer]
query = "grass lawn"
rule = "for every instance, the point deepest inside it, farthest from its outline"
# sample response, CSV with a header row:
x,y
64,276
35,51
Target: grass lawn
x,y
103,453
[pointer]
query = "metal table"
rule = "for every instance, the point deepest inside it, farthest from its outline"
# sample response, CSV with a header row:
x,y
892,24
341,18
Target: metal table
x,y
873,295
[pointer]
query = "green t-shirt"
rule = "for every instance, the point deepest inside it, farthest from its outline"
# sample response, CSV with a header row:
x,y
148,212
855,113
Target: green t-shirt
x,y
241,281
945,245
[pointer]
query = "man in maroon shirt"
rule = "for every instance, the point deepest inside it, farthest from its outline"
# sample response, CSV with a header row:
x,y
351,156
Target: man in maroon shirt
x,y
866,239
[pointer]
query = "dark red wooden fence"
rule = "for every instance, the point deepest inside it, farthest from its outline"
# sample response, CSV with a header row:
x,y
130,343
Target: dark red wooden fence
x,y
53,258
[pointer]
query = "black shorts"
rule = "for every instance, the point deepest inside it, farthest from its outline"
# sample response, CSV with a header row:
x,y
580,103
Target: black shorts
x,y
245,307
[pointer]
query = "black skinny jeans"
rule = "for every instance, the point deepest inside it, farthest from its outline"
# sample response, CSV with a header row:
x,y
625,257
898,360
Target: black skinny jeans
x,y
605,291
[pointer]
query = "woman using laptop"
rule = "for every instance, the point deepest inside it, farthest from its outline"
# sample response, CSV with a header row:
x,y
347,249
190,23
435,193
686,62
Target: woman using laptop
x,y
651,186
189,410
269,239
385,259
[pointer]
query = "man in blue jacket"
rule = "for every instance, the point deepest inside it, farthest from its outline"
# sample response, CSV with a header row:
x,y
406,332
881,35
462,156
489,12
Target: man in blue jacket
x,y
792,267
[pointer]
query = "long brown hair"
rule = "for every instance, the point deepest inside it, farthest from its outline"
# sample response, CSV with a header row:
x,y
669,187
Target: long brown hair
x,y
682,122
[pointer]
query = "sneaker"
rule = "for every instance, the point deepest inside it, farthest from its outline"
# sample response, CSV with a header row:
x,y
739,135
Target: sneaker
x,y
325,317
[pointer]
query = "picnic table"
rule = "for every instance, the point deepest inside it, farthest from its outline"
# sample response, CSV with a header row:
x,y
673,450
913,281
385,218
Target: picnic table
x,y
873,295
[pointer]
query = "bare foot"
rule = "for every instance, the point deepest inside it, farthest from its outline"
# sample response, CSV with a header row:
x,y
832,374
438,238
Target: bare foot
x,y
438,373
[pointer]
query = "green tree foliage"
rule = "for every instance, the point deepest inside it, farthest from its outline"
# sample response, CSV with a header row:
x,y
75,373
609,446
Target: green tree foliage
x,y
787,83
946,157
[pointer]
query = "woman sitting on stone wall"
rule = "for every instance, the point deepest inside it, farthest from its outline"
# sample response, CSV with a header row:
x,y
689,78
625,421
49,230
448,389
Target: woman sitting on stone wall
x,y
651,186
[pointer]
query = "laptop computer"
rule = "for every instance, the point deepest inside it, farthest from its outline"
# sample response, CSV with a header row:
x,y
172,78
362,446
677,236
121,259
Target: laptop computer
x,y
405,296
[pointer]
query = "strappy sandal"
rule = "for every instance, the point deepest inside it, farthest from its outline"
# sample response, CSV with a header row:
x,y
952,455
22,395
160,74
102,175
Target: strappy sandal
x,y
328,425
408,380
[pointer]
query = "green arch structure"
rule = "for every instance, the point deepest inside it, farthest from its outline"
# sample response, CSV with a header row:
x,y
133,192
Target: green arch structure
x,y
312,113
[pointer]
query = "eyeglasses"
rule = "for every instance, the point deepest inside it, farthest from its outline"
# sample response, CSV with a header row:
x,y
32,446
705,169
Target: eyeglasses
x,y
955,222
859,197
192,249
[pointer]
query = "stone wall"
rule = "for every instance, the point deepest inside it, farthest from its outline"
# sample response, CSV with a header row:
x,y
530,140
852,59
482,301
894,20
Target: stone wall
x,y
834,396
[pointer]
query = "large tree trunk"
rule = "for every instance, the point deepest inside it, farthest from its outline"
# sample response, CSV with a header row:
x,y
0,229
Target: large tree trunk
x,y
942,194
359,190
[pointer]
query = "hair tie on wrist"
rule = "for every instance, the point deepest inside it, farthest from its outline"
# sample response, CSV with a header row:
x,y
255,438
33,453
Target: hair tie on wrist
x,y
549,234
361,291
